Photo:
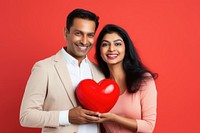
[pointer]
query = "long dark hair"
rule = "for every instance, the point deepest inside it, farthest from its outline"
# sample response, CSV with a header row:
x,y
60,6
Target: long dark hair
x,y
135,71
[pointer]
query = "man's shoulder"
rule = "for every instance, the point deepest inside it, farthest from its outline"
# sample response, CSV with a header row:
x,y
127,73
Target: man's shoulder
x,y
46,61
97,73
94,64
50,60
95,67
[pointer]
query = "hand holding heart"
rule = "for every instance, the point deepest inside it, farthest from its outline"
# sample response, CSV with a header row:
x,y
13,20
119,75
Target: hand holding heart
x,y
98,97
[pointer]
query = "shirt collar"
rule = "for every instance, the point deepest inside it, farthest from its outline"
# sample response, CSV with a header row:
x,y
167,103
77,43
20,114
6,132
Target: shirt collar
x,y
70,59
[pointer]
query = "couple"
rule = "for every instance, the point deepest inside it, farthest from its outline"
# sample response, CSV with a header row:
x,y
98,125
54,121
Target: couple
x,y
49,100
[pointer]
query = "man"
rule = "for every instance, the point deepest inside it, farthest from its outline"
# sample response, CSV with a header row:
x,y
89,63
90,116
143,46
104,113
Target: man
x,y
49,100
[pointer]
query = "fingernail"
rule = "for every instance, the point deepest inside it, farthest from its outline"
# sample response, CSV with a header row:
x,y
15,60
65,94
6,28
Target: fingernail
x,y
99,114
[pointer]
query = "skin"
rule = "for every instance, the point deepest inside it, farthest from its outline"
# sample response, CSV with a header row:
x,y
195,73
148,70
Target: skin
x,y
78,115
80,39
112,49
112,52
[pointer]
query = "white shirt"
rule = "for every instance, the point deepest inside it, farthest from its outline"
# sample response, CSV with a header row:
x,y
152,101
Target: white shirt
x,y
77,73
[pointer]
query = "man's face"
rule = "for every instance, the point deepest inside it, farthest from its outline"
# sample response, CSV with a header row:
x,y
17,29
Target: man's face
x,y
80,38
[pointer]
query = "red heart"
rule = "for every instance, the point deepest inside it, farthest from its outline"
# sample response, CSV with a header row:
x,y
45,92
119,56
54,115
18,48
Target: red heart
x,y
99,97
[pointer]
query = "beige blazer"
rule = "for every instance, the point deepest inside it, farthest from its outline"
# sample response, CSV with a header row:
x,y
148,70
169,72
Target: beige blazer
x,y
48,91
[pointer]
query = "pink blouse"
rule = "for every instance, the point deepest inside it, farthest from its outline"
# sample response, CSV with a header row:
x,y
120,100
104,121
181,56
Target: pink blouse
x,y
140,106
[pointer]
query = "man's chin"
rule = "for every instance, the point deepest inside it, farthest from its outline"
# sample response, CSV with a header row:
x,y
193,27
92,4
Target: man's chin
x,y
82,54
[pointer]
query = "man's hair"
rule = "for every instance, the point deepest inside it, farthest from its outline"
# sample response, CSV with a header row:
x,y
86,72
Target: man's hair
x,y
81,13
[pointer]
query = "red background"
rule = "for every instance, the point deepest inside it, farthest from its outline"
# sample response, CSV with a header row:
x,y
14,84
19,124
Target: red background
x,y
165,32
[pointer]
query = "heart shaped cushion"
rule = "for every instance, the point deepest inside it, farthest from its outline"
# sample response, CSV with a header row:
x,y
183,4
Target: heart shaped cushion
x,y
98,97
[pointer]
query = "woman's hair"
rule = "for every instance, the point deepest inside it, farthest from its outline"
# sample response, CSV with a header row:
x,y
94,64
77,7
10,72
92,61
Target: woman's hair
x,y
135,71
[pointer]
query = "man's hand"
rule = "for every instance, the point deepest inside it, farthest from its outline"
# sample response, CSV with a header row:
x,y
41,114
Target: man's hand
x,y
78,115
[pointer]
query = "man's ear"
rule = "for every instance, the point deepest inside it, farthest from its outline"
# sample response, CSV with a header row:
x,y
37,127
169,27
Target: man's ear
x,y
65,33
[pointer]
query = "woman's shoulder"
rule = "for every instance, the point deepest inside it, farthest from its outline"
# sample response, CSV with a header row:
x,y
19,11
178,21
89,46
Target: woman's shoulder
x,y
148,82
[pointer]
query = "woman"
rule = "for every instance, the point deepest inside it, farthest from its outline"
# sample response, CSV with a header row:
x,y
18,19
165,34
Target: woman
x,y
135,110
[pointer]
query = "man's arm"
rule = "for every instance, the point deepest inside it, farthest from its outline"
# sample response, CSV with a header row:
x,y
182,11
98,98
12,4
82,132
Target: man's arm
x,y
31,111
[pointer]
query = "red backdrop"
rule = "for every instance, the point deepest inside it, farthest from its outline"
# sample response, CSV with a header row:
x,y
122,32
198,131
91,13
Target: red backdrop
x,y
165,32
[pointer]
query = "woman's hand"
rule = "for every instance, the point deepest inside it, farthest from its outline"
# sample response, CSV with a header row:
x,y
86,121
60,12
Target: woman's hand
x,y
106,117
123,121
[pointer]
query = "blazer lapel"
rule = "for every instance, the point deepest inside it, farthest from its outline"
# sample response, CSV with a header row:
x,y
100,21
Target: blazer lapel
x,y
96,75
63,73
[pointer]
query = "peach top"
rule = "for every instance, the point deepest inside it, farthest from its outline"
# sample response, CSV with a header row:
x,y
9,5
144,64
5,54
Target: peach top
x,y
140,106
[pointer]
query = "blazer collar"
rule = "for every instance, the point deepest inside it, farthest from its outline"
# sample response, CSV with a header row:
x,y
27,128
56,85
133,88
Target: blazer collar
x,y
60,66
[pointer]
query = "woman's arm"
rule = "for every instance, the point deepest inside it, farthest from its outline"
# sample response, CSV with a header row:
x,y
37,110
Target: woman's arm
x,y
148,101
125,122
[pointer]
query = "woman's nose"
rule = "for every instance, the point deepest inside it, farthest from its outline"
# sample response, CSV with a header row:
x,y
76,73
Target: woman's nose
x,y
111,47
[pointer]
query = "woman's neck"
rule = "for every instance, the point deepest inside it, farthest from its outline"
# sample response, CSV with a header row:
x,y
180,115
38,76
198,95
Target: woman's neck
x,y
117,73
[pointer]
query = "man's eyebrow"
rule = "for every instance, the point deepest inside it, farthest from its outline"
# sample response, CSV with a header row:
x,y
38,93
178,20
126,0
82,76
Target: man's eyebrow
x,y
92,33
83,32
77,31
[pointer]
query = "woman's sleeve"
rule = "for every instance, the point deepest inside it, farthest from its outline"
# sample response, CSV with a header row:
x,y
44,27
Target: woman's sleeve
x,y
149,107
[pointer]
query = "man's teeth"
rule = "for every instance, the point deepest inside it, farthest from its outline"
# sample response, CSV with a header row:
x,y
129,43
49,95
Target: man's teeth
x,y
82,47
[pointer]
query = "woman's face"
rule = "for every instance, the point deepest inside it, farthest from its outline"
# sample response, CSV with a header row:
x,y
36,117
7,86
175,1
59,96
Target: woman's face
x,y
112,48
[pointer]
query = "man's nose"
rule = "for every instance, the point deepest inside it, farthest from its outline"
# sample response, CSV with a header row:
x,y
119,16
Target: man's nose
x,y
84,40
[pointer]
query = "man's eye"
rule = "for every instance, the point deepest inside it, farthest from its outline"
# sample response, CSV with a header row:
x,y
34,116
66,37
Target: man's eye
x,y
91,35
77,33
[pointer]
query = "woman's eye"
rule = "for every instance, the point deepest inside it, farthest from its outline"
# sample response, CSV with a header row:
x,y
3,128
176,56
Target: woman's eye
x,y
104,44
118,44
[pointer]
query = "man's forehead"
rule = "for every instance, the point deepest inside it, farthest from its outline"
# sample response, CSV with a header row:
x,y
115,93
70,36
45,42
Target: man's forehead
x,y
83,25
80,21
